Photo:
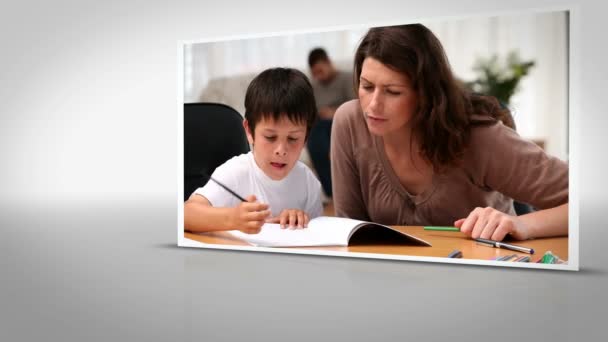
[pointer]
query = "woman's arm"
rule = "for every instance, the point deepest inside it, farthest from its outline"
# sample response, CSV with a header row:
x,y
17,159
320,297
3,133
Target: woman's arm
x,y
521,170
346,184
547,222
489,223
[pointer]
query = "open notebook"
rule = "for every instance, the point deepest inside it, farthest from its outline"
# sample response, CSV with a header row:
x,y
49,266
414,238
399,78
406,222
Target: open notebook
x,y
329,231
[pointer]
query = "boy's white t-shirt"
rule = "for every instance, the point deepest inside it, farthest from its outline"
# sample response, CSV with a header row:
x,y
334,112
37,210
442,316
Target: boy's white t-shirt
x,y
300,189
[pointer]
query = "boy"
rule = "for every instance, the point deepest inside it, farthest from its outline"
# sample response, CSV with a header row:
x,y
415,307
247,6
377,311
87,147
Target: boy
x,y
279,113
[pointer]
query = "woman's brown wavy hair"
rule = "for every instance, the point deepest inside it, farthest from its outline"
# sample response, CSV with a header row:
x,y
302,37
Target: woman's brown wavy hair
x,y
443,118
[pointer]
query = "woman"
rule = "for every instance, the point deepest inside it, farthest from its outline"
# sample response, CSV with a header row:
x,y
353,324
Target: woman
x,y
416,148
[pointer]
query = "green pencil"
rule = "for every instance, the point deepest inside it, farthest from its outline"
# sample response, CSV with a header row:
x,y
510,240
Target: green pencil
x,y
447,229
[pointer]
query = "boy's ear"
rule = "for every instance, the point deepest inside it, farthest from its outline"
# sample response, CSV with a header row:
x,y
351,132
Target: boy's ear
x,y
248,131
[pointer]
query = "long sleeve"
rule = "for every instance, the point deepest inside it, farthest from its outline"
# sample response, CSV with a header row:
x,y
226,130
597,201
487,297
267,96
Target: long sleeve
x,y
347,192
502,161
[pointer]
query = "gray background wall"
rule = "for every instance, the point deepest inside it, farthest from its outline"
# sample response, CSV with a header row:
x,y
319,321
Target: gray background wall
x,y
88,190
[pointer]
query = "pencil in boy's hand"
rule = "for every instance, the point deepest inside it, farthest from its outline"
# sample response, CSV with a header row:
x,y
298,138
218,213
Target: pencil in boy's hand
x,y
225,188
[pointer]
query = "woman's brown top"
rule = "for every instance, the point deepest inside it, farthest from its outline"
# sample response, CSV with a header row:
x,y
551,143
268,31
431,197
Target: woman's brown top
x,y
498,166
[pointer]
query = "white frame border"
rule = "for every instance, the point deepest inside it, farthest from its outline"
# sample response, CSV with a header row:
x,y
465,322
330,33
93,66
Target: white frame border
x,y
573,34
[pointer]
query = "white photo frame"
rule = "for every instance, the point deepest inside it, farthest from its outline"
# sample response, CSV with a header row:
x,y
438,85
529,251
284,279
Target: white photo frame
x,y
572,137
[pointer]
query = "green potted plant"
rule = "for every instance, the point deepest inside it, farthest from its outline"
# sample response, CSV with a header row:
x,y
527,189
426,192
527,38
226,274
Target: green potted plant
x,y
498,80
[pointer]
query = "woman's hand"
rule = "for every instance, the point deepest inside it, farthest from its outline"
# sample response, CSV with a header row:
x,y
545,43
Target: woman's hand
x,y
489,223
292,217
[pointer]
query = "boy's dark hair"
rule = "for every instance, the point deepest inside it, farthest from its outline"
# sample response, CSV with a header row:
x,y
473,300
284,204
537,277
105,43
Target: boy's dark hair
x,y
317,55
280,92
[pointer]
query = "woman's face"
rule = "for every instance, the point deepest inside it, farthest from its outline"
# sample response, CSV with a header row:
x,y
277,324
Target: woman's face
x,y
387,98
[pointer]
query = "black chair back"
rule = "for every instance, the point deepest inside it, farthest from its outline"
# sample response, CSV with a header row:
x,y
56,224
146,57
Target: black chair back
x,y
213,133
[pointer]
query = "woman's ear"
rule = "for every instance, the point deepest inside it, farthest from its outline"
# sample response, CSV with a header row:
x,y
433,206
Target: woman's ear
x,y
248,132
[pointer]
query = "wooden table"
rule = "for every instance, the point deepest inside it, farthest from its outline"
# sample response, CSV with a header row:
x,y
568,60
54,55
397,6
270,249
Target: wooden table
x,y
443,243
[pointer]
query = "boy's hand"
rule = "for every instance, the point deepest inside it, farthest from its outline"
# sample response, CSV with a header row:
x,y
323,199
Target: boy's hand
x,y
293,217
250,216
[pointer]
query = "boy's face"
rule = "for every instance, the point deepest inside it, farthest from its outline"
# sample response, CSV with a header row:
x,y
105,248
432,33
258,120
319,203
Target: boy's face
x,y
276,145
